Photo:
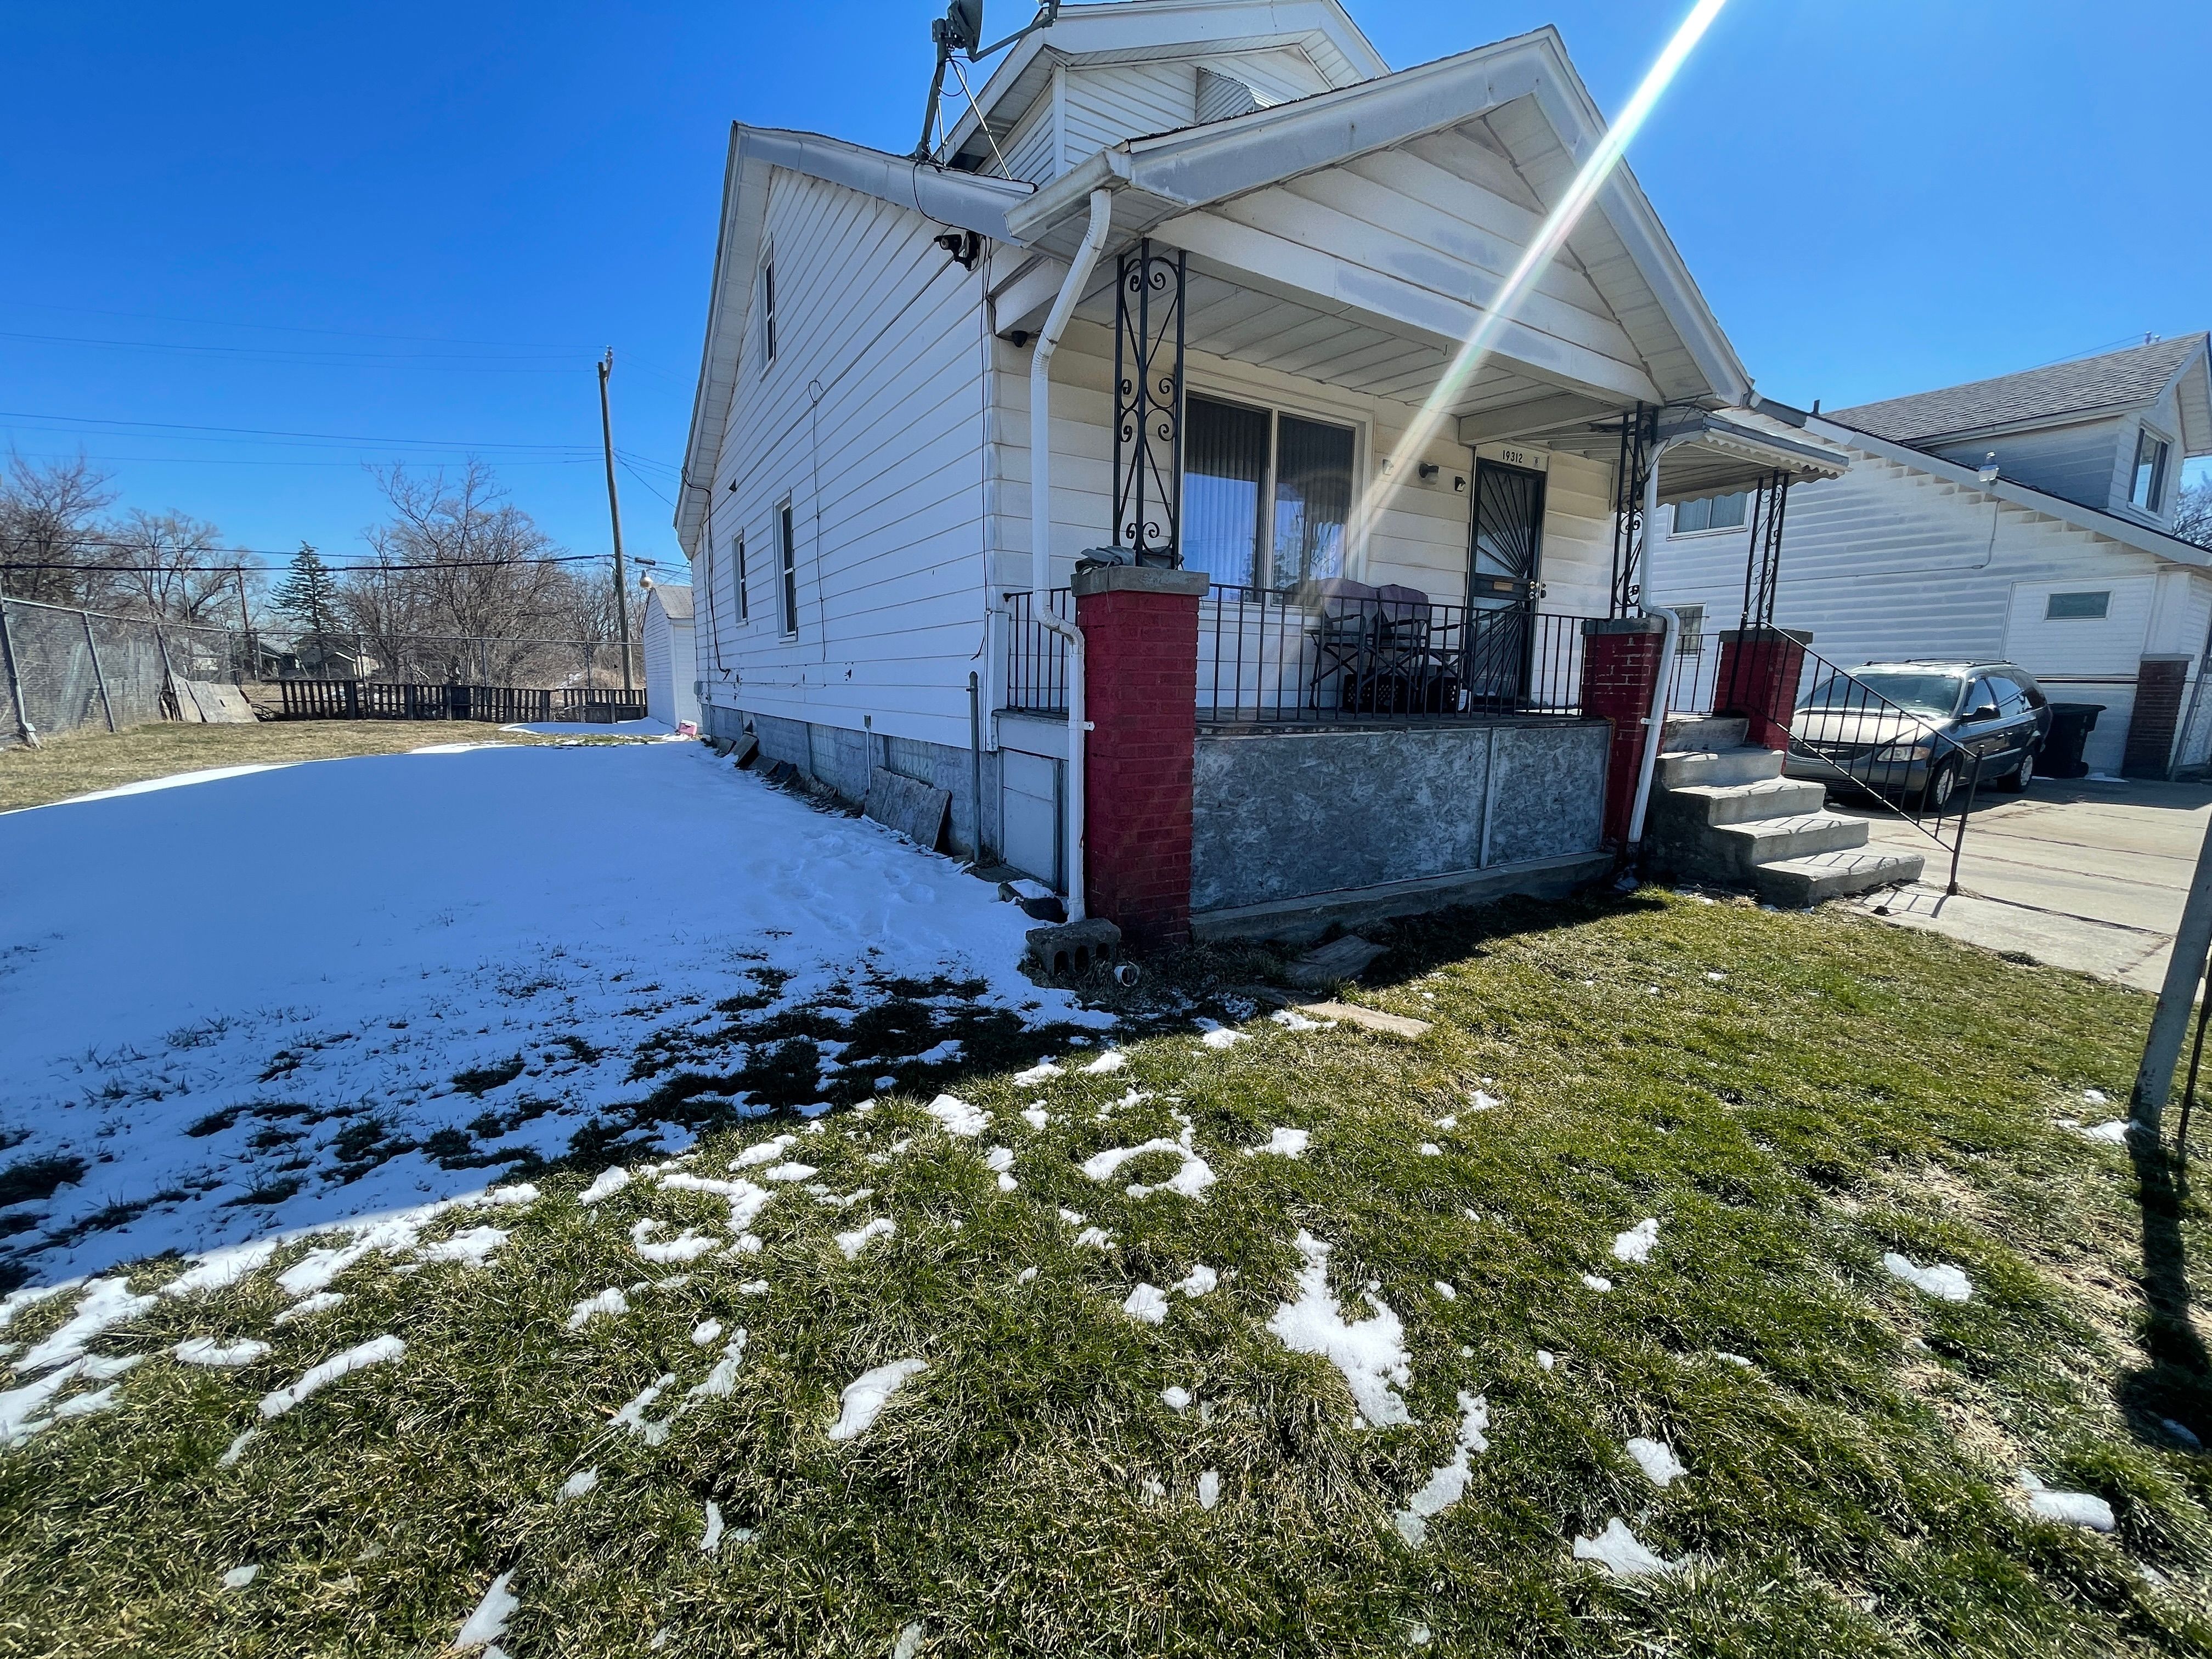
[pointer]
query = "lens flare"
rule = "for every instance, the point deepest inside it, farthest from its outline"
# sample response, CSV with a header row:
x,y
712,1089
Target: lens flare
x,y
1549,237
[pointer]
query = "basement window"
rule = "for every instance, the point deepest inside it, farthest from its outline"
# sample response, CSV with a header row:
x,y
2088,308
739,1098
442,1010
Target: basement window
x,y
2078,607
1711,513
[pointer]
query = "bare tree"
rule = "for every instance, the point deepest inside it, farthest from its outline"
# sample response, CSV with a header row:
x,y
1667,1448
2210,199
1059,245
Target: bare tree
x,y
50,516
2192,513
170,565
479,570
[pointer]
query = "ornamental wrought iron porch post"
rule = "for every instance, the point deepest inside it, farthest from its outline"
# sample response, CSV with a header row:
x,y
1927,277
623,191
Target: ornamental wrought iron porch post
x,y
1639,434
1148,404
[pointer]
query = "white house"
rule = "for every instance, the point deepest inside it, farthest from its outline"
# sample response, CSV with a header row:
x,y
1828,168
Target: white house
x,y
2060,559
1203,265
671,688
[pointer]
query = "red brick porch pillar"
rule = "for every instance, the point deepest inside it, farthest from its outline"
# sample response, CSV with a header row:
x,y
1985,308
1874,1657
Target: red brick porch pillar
x,y
2159,681
1758,674
1140,668
1620,671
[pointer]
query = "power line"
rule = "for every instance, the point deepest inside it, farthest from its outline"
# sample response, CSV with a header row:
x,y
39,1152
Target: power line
x,y
278,432
7,565
326,359
284,328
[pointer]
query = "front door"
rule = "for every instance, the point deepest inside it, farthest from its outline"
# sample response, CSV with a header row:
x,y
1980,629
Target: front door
x,y
1504,556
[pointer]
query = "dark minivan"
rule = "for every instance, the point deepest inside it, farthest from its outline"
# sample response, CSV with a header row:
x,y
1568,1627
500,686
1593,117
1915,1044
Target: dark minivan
x,y
1921,731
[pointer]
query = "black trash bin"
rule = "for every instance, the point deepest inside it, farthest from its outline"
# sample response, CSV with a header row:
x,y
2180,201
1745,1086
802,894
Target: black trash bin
x,y
2071,725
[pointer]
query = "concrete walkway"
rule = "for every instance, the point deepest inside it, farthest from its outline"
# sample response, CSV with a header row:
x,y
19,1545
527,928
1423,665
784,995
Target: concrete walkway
x,y
2078,874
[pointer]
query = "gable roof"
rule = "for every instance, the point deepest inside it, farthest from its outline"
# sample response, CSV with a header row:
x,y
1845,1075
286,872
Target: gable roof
x,y
2085,386
674,600
1155,31
2127,531
962,200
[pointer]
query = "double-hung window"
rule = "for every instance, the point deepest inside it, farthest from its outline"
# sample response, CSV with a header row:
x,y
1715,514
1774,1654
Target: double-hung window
x,y
738,570
1711,513
786,553
2147,489
1265,496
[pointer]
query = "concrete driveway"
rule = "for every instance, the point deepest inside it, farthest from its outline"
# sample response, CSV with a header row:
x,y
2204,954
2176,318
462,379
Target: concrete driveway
x,y
2078,874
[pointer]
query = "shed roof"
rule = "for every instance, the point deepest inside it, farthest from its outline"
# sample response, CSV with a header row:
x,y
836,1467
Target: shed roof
x,y
2086,385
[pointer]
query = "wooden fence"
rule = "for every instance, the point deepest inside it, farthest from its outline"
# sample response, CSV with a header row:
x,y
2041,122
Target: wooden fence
x,y
380,699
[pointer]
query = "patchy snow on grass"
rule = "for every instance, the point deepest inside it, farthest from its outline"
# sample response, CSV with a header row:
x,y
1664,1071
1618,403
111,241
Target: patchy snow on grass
x,y
768,1151
1176,1399
1944,1282
1147,1304
1209,1489
1112,1061
1597,1282
710,1542
239,1577
1282,1143
609,1301
861,1237
864,1397
686,1246
957,1117
999,1161
378,1350
457,991
1036,1076
722,1382
1094,1238
1191,1180
105,1302
1371,1354
633,1417
1480,1101
1447,1289
473,1248
26,1411
706,1333
1292,1020
578,1484
1657,1461
1430,1149
488,1622
1036,1117
1636,1243
2076,1509
209,1351
1618,1550
1446,1483
1222,1036
745,1199
308,1306
605,1184
1198,1281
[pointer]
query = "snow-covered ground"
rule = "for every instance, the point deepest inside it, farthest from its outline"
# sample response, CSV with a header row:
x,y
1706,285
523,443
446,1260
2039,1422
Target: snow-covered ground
x,y
233,1001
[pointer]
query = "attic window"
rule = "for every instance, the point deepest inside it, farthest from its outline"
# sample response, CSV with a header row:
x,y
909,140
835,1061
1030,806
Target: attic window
x,y
768,311
2148,490
1221,96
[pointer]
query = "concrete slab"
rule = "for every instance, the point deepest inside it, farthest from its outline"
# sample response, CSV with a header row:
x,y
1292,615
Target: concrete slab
x,y
2084,875
1368,1018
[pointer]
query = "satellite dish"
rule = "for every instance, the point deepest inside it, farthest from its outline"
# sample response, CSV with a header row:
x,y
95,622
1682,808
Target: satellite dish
x,y
960,30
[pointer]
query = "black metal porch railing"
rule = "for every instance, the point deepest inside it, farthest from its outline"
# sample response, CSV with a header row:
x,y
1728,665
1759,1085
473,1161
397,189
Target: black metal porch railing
x,y
1300,657
1037,657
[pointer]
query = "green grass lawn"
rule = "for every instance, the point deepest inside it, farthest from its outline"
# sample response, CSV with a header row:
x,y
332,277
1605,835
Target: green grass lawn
x,y
1790,1097
78,762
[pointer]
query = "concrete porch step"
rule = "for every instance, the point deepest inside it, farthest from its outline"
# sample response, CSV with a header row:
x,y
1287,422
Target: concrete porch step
x,y
1741,764
1770,840
1717,803
1703,733
1798,882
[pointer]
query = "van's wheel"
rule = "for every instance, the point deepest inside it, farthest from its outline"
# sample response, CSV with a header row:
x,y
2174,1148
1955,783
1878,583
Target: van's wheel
x,y
2021,777
1943,786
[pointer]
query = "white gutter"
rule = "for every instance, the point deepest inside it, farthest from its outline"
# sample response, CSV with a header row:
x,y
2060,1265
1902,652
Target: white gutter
x,y
1047,340
1654,727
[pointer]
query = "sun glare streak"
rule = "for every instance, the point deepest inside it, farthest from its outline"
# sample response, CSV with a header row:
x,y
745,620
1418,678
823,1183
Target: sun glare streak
x,y
1550,235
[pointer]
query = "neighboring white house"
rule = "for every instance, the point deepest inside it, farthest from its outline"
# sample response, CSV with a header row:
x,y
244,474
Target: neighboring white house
x,y
2062,561
672,675
1296,241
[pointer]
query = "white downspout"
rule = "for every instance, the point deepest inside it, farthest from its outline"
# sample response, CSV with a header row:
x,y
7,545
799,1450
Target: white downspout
x,y
1047,340
1655,728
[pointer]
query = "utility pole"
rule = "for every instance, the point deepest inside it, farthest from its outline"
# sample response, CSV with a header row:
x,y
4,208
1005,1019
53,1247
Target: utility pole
x,y
614,512
2170,1023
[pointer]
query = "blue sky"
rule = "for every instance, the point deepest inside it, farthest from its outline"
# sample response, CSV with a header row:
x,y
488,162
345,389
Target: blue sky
x,y
418,225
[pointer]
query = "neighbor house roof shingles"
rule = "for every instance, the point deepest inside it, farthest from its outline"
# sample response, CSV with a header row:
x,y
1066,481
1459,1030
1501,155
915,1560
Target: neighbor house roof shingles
x,y
2136,376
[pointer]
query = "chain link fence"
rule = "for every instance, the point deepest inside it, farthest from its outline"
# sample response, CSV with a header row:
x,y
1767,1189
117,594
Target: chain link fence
x,y
68,670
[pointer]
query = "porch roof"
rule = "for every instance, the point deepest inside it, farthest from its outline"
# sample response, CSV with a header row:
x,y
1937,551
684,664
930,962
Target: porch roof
x,y
1716,452
1356,236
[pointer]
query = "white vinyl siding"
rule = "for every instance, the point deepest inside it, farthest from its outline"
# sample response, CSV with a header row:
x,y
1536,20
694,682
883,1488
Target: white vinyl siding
x,y
1126,100
883,475
2075,463
1890,561
1032,149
